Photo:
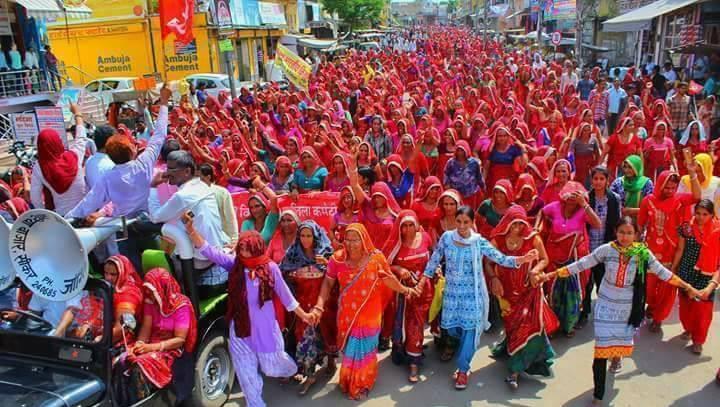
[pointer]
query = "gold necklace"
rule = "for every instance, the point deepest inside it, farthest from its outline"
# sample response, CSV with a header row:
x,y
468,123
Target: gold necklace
x,y
513,245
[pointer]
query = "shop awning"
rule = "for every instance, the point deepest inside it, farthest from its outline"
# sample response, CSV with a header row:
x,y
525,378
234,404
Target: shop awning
x,y
640,19
53,9
519,13
316,43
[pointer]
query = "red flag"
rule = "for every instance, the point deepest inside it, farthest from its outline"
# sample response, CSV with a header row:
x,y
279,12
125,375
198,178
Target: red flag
x,y
695,88
176,17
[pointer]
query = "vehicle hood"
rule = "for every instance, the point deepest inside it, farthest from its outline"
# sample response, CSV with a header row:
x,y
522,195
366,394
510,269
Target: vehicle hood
x,y
26,383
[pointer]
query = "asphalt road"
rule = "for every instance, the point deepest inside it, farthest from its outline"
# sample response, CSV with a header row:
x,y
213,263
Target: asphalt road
x,y
662,372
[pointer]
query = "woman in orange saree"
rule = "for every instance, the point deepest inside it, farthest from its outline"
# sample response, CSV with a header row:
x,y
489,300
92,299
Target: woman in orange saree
x,y
366,283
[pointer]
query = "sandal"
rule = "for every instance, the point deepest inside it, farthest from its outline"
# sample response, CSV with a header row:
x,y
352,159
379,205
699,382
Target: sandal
x,y
570,334
616,366
696,348
512,381
655,326
307,384
686,336
414,376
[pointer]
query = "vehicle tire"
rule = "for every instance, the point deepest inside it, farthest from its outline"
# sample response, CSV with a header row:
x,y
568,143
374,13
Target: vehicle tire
x,y
214,373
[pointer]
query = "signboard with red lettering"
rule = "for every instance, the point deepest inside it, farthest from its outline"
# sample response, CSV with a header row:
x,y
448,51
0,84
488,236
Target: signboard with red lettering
x,y
318,206
25,127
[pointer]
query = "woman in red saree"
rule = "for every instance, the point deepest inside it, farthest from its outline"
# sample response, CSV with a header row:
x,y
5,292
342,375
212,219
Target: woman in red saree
x,y
407,251
557,179
528,318
426,206
168,330
127,295
365,283
660,215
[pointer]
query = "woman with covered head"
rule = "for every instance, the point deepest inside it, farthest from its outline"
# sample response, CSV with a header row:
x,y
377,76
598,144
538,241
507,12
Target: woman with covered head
x,y
59,170
494,208
693,138
661,213
304,267
658,151
709,184
528,318
558,177
696,261
632,186
463,173
346,214
263,211
167,331
504,157
407,250
621,144
310,174
366,282
565,222
465,298
127,291
255,342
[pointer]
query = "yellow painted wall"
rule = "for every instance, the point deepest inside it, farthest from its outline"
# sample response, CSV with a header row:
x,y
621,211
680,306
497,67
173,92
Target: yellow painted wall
x,y
112,8
123,48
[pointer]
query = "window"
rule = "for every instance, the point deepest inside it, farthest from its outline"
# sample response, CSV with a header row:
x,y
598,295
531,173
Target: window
x,y
108,85
92,86
673,25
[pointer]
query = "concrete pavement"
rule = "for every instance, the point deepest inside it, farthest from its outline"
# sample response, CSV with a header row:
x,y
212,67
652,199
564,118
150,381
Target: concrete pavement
x,y
662,372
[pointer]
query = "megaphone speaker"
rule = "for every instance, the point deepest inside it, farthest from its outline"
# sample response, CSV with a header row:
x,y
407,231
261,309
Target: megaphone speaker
x,y
50,256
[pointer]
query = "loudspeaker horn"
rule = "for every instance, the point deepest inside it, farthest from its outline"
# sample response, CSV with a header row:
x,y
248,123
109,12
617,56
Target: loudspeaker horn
x,y
7,273
50,256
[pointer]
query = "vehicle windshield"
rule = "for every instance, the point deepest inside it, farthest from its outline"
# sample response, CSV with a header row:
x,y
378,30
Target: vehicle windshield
x,y
80,318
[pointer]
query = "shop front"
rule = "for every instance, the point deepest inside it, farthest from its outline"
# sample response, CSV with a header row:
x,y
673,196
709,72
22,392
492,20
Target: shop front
x,y
259,26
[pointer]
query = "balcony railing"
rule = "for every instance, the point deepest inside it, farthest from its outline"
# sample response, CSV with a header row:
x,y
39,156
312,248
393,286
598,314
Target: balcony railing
x,y
27,82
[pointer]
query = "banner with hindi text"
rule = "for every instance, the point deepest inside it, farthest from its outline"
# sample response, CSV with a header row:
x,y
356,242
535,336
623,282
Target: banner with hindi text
x,y
318,206
295,68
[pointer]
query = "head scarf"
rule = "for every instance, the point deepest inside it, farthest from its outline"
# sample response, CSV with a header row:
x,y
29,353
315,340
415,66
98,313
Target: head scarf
x,y
539,166
295,256
551,176
258,266
262,199
525,181
428,184
169,299
368,247
686,134
706,165
15,207
513,214
570,189
394,241
346,190
505,186
633,186
59,166
383,190
128,278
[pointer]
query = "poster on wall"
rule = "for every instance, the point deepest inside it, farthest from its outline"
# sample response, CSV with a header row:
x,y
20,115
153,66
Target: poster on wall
x,y
25,127
272,13
223,17
51,118
67,97
244,13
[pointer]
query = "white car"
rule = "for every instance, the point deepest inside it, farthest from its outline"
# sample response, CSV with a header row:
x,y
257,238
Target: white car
x,y
215,82
105,87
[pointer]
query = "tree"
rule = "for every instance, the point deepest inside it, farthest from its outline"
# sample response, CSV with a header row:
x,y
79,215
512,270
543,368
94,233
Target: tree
x,y
452,6
355,13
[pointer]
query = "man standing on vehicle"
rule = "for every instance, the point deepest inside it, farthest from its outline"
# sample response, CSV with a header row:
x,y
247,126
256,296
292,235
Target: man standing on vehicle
x,y
196,197
127,184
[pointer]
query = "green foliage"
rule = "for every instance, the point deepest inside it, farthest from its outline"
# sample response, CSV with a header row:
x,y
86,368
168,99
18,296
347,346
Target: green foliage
x,y
356,13
452,6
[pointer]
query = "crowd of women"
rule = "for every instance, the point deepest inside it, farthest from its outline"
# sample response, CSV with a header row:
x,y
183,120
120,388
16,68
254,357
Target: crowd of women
x,y
476,189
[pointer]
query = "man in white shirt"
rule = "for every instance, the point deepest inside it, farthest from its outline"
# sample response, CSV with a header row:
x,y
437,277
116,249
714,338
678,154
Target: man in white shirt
x,y
99,163
31,59
224,201
669,72
615,96
197,197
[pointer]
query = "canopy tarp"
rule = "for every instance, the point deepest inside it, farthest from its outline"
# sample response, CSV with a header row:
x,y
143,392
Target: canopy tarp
x,y
316,43
641,18
54,9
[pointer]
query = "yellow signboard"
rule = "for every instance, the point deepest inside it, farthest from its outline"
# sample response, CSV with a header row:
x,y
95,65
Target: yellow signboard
x,y
295,68
112,8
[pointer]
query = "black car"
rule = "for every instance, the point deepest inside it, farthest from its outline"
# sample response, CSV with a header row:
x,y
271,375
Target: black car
x,y
40,369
